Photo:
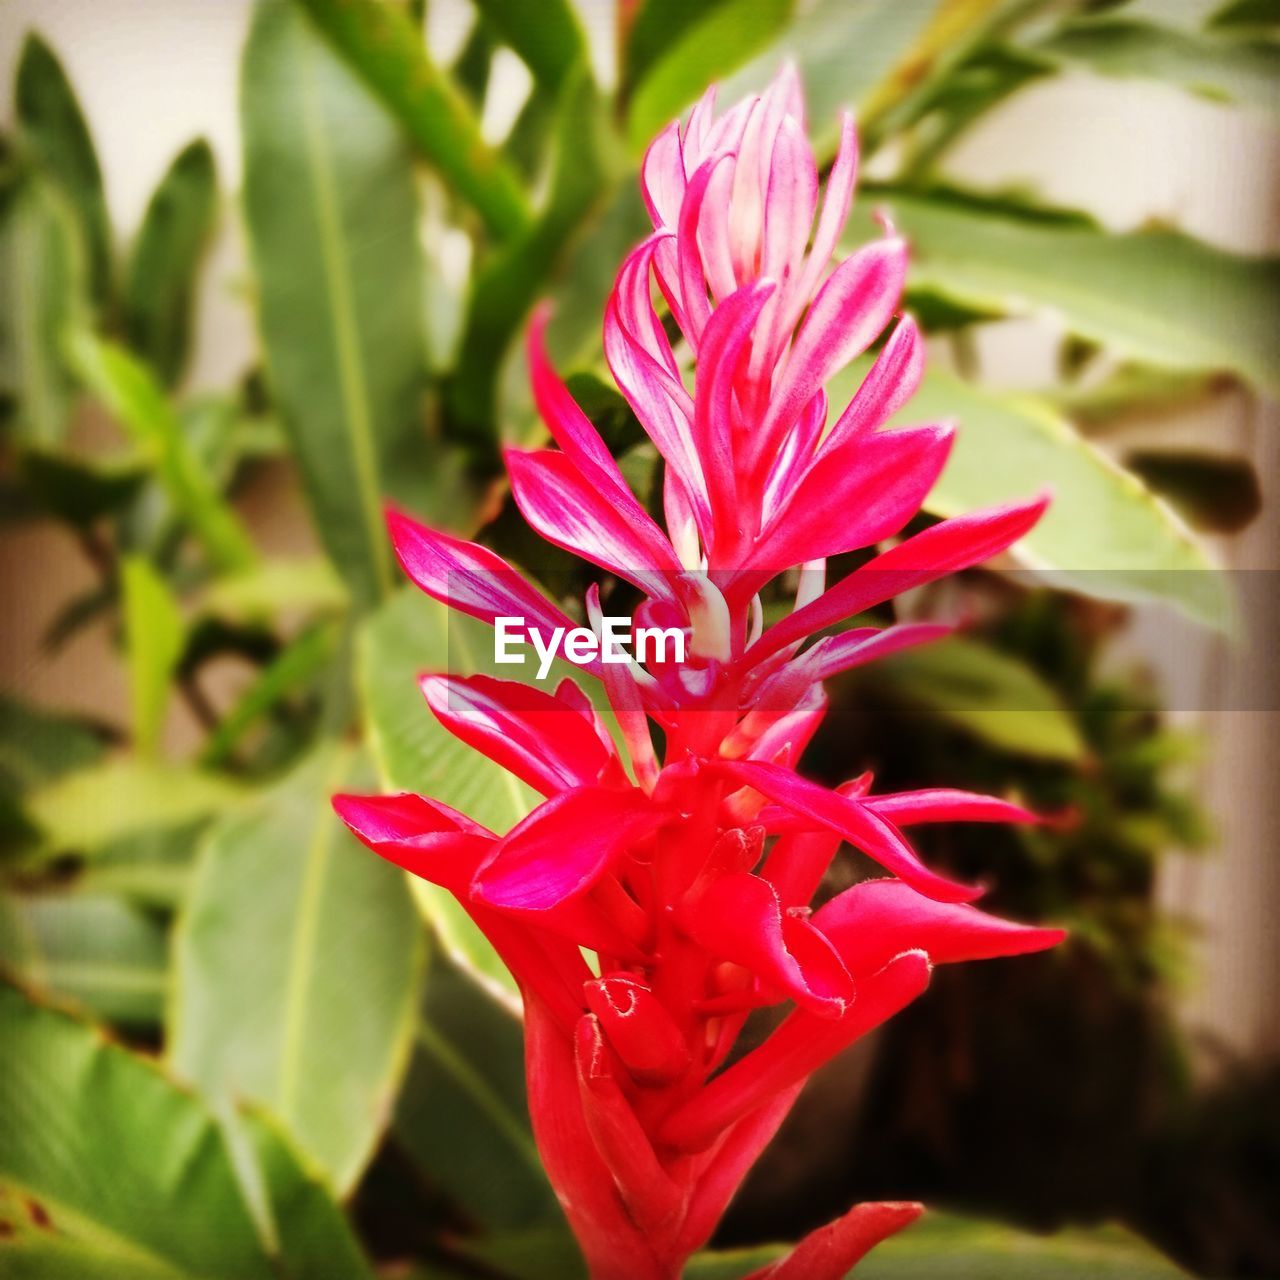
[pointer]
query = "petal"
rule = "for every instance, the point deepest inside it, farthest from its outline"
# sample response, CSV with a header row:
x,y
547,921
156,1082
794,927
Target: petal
x,y
830,1252
468,577
852,497
638,1027
835,654
528,732
889,384
941,804
797,862
946,547
874,921
797,1048
618,534
662,180
835,208
849,818
739,918
850,311
563,847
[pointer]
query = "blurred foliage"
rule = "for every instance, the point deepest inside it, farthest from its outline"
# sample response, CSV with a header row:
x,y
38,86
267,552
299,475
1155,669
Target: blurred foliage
x,y
288,1084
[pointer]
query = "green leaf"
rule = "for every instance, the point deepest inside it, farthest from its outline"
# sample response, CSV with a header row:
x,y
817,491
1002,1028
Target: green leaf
x,y
943,1246
462,1116
298,967
1225,68
99,952
1104,534
150,868
54,131
382,46
331,214
38,746
41,279
997,698
132,396
1156,296
160,279
84,811
719,42
547,36
1214,494
1263,14
154,636
510,281
414,752
107,1170
655,27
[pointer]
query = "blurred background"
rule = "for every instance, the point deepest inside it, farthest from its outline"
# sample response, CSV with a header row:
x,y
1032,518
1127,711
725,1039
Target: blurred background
x,y
265,264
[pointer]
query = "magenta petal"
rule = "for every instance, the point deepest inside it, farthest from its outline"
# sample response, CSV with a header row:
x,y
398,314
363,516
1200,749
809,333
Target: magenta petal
x,y
601,526
854,496
468,577
537,737
873,921
958,543
942,804
850,818
738,918
563,847
891,382
829,1252
834,654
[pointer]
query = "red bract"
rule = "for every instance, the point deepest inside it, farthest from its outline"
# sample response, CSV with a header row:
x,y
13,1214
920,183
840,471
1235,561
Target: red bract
x,y
690,876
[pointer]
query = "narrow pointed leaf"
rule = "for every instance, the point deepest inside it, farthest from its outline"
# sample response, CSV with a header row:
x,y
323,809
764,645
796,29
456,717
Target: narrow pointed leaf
x,y
154,635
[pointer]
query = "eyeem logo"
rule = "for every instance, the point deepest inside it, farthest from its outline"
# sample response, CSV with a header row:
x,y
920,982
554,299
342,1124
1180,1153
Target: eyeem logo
x,y
582,646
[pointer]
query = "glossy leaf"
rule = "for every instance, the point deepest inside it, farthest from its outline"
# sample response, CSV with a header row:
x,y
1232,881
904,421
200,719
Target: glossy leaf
x,y
56,134
331,214
1224,68
154,635
380,43
1104,534
132,396
462,1117
547,36
298,963
98,952
720,41
1156,296
997,698
41,281
128,1174
160,279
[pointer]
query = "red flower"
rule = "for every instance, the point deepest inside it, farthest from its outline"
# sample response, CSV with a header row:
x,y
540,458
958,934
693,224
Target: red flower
x,y
690,876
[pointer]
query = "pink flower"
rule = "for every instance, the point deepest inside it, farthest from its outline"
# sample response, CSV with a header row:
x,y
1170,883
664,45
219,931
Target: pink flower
x,y
690,874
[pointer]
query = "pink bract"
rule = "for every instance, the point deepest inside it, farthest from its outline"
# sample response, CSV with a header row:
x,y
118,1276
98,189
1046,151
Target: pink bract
x,y
692,884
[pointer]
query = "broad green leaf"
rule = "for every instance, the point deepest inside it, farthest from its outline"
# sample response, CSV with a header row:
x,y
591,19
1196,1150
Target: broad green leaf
x,y
654,27
547,36
331,214
943,1246
414,752
509,283
41,279
99,952
37,746
160,279
1226,68
383,46
1235,14
150,868
84,811
274,587
536,1253
1104,534
462,1115
719,42
154,635
128,1175
298,968
997,698
54,131
1156,296
132,396
1134,389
